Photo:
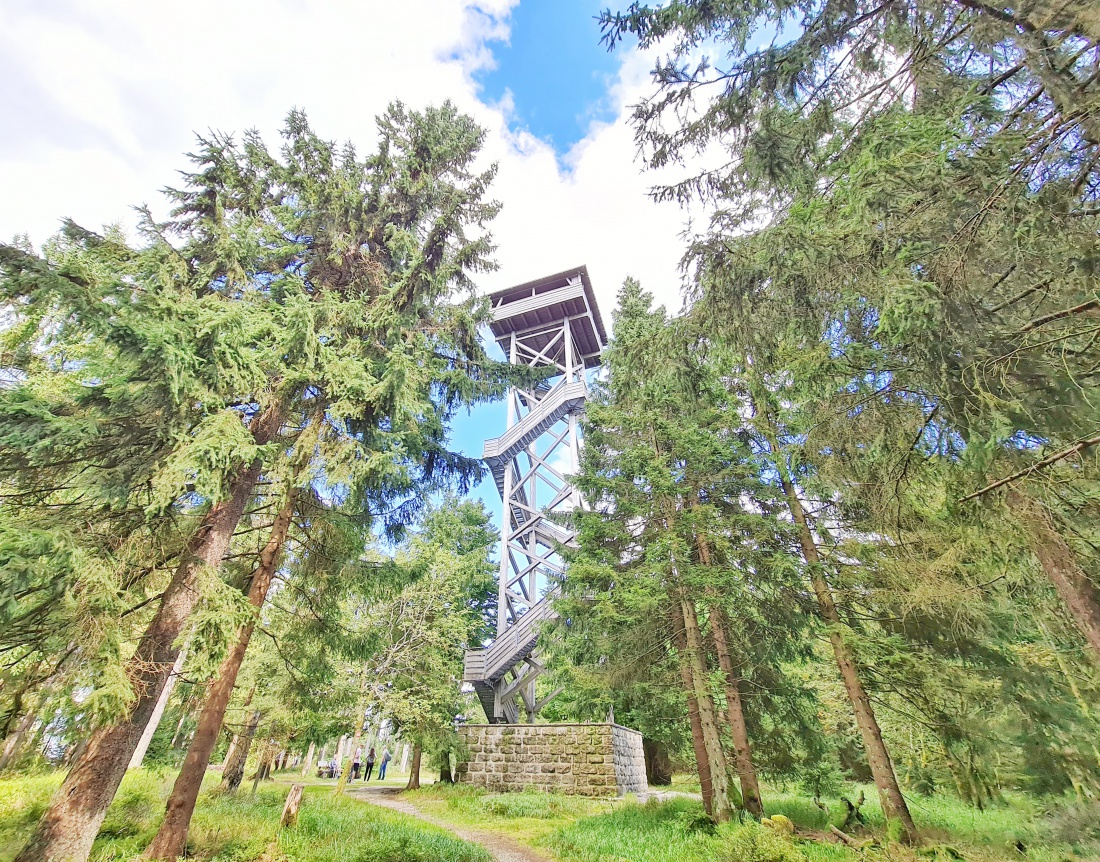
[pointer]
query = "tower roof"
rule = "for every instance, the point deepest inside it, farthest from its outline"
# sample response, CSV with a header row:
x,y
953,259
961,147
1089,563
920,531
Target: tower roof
x,y
544,304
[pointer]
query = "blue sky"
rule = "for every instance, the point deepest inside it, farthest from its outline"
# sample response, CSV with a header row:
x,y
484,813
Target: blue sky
x,y
555,69
102,106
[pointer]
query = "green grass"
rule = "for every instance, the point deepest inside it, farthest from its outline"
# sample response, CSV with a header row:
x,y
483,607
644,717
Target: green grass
x,y
243,828
583,830
527,817
240,828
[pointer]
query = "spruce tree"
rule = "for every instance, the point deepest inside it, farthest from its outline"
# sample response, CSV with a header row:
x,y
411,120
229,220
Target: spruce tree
x,y
330,278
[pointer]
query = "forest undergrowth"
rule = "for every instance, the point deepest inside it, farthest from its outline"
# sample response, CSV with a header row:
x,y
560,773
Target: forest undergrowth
x,y
676,830
239,827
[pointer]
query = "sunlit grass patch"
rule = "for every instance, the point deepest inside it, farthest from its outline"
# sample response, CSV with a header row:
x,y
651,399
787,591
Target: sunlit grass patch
x,y
347,830
241,827
674,831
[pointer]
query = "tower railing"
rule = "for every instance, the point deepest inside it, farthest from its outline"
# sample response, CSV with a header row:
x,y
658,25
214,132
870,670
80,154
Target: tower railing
x,y
550,323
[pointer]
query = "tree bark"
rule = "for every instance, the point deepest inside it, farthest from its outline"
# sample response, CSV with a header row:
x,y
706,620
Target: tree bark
x,y
712,740
414,770
894,806
309,758
235,761
1078,593
746,773
234,741
66,831
706,787
171,839
293,804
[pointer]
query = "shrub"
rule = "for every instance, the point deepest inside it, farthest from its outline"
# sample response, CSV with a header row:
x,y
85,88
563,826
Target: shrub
x,y
755,843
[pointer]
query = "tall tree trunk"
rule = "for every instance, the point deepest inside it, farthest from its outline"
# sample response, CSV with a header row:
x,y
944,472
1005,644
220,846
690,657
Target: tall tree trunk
x,y
739,732
158,711
1078,593
746,773
414,769
66,831
894,807
171,839
701,766
722,809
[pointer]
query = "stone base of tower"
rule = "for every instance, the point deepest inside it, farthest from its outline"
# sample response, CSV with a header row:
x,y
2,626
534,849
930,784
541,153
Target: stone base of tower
x,y
576,759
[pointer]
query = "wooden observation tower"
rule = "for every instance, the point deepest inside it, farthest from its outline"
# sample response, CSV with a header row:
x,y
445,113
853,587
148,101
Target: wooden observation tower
x,y
549,323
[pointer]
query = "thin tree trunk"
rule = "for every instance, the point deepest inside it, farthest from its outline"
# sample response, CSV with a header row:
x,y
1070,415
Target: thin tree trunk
x,y
1076,590
712,740
171,839
894,807
66,831
414,770
342,784
746,773
158,711
233,774
177,737
742,748
262,765
235,760
13,745
234,741
701,766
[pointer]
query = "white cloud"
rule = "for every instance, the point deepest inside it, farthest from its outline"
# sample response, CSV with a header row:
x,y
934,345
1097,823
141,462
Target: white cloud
x,y
102,100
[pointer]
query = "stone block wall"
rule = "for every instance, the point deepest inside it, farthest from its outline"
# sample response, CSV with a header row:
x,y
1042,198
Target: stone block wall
x,y
579,759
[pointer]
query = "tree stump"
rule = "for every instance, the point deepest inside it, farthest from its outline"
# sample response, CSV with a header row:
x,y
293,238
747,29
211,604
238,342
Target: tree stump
x,y
293,803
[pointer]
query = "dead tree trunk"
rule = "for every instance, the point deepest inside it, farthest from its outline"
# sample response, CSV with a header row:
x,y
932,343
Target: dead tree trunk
x,y
1078,593
293,804
171,839
76,811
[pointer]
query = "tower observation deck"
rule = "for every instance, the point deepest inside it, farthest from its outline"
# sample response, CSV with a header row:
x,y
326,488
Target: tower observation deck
x,y
549,323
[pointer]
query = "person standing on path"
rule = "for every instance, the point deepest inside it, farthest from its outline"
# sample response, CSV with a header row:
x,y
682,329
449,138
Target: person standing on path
x,y
382,763
370,765
355,761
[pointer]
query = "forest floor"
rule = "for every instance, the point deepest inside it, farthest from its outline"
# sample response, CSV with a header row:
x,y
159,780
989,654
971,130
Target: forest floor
x,y
464,824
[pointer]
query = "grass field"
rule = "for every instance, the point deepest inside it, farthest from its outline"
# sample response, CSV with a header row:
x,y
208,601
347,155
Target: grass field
x,y
243,827
580,830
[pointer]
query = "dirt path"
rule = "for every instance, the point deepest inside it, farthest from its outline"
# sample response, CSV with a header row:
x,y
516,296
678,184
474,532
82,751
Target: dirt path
x,y
502,849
